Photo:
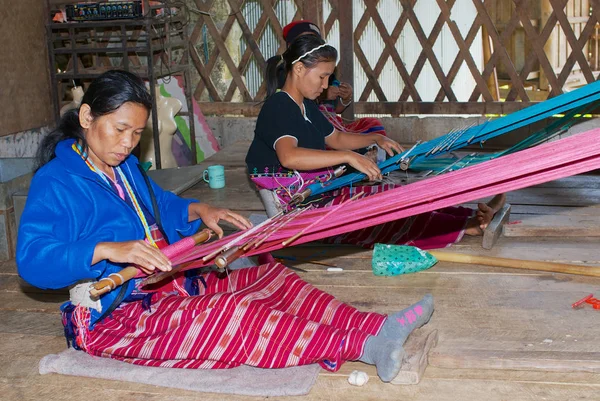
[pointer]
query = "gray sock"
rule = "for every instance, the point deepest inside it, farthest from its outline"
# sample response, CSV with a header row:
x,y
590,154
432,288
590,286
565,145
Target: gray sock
x,y
386,354
399,325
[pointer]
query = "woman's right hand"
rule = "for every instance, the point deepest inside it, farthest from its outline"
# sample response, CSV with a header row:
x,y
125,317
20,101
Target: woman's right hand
x,y
140,253
364,165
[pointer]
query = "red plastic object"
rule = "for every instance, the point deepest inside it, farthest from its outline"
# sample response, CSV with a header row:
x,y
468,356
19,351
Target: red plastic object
x,y
582,300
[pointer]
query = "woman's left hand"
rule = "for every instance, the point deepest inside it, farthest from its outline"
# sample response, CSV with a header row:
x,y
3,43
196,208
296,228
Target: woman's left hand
x,y
212,215
389,145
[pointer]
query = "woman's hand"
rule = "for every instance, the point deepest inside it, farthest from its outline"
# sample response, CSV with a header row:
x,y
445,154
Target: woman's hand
x,y
364,165
139,253
345,92
332,92
212,215
389,145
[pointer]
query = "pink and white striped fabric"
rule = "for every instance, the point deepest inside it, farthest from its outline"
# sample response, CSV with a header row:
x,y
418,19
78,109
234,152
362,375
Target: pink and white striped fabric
x,y
263,316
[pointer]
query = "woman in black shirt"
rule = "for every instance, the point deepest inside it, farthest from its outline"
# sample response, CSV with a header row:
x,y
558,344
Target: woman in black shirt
x,y
291,138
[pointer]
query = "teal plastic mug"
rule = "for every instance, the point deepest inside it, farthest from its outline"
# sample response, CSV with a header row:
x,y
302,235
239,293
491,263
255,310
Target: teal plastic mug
x,y
215,176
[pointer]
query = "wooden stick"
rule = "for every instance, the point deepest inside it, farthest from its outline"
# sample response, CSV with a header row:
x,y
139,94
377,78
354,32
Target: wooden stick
x,y
234,253
302,260
516,263
300,197
229,256
114,280
160,276
241,237
293,215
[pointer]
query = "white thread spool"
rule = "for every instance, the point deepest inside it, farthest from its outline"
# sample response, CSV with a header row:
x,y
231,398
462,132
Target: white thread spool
x,y
358,378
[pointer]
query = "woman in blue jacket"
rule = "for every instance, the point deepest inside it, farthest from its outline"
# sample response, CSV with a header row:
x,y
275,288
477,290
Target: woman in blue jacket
x,y
91,211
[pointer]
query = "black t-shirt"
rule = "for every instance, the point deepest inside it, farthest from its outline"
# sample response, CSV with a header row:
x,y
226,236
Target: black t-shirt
x,y
279,117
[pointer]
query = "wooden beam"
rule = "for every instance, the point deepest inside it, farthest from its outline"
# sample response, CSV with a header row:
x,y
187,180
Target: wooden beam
x,y
312,10
248,109
251,109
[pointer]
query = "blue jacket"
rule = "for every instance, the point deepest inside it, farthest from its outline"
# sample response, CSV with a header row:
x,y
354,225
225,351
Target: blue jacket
x,y
70,209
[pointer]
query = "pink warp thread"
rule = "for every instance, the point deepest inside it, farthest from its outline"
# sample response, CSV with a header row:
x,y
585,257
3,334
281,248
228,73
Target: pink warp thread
x,y
550,161
181,246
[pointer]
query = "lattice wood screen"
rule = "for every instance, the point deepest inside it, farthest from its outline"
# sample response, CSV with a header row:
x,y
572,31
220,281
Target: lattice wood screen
x,y
405,56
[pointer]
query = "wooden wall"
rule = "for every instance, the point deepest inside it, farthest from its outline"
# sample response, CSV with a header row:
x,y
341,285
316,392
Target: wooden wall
x,y
25,100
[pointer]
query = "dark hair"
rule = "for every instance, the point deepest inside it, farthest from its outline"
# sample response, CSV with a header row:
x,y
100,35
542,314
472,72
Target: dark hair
x,y
278,67
105,95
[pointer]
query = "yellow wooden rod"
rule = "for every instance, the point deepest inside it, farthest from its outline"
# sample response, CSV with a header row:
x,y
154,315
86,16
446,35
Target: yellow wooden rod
x,y
516,263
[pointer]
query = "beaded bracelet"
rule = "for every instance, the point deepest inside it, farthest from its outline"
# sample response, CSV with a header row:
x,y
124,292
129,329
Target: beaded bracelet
x,y
344,104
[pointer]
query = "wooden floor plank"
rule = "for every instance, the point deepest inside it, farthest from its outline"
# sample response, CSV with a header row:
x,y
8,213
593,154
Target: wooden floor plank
x,y
31,323
544,225
19,301
21,381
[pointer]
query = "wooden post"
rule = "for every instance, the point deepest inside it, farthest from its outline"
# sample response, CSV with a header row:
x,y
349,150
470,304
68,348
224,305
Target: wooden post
x,y
312,10
52,64
488,49
346,64
550,47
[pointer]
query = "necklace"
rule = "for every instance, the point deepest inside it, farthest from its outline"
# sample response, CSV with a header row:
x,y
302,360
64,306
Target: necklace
x,y
136,206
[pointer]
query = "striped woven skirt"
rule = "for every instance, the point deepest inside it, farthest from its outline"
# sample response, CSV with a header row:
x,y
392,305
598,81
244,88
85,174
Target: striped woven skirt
x,y
264,316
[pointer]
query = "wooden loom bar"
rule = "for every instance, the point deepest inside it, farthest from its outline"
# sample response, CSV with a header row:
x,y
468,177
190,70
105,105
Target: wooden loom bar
x,y
116,279
242,235
251,109
233,254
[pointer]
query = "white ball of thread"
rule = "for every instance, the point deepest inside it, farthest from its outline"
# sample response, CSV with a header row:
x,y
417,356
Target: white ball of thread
x,y
358,378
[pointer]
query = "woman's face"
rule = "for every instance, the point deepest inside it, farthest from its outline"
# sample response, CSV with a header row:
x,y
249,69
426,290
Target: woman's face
x,y
313,81
112,137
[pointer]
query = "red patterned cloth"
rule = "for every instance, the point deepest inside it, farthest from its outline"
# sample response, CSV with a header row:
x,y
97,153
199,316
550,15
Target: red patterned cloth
x,y
264,316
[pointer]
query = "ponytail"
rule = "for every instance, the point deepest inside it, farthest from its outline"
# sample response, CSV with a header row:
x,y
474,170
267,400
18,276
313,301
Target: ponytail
x,y
275,74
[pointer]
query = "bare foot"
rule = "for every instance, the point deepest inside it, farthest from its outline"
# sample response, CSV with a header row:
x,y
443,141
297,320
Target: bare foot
x,y
484,215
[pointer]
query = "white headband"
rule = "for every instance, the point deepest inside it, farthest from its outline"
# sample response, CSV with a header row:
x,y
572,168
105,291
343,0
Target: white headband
x,y
309,52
